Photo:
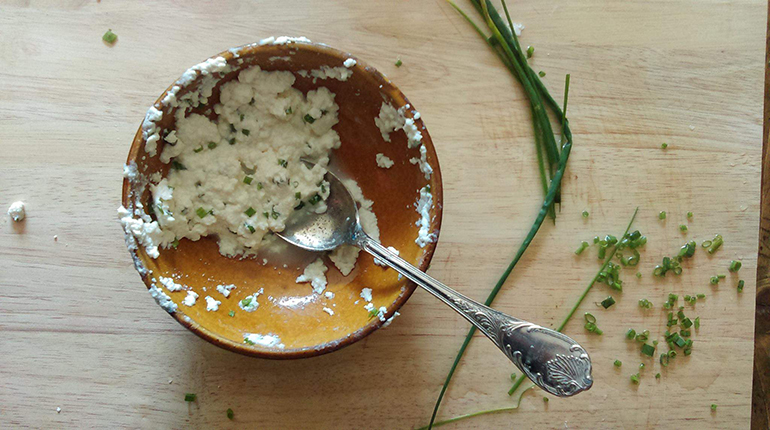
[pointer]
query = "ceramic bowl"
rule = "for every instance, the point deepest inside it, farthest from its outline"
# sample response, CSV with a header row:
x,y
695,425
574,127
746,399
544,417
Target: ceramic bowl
x,y
289,310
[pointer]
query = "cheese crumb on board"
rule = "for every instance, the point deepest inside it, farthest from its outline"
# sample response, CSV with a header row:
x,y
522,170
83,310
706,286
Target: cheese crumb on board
x,y
16,211
225,289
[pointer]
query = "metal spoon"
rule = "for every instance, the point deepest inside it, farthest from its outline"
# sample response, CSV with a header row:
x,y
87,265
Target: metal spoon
x,y
550,359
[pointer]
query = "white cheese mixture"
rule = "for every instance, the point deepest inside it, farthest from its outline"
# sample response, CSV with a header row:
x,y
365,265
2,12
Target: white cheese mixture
x,y
250,303
16,211
190,299
225,289
383,161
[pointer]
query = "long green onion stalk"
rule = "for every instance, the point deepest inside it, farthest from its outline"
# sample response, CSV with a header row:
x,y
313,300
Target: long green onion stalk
x,y
551,161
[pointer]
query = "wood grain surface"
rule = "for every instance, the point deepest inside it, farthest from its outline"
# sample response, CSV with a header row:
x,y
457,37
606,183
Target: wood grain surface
x,y
79,331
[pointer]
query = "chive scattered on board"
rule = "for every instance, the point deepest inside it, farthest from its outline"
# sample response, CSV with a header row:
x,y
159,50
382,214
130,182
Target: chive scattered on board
x,y
662,215
247,180
231,313
740,285
230,413
201,212
530,51
609,301
399,62
250,211
541,74
713,407
635,378
110,37
735,266
618,363
581,248
190,397
682,228
663,145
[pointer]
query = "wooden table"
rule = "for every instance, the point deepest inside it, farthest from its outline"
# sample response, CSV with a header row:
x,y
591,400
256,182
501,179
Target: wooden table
x,y
79,331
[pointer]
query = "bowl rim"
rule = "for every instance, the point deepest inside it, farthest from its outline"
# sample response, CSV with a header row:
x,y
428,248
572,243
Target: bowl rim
x,y
397,98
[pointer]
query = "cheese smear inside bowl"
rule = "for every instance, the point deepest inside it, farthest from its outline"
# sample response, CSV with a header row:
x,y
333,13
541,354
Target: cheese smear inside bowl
x,y
215,169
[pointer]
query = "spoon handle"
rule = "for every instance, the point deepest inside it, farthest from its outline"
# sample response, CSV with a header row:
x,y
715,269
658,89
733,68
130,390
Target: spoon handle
x,y
550,359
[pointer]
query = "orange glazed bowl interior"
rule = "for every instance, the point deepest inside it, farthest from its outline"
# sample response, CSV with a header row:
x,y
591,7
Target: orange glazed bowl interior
x,y
292,311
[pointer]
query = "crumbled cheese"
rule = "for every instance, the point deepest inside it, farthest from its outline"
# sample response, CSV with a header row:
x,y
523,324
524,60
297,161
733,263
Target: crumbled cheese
x,y
212,304
279,58
58,410
381,313
390,120
349,63
250,303
390,320
424,204
423,162
190,299
225,289
366,294
315,274
326,72
329,295
162,299
283,40
16,211
131,171
517,27
344,257
170,284
369,306
144,231
383,161
269,340
328,311
379,262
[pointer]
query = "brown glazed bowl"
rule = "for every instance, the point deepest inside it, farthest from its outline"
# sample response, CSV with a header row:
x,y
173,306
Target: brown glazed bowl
x,y
288,309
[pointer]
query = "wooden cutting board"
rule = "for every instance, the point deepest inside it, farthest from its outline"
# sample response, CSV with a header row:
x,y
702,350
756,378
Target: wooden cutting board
x,y
79,331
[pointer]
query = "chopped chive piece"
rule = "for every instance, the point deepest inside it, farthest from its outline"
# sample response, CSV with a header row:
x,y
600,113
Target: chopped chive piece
x,y
251,228
242,116
662,215
657,376
645,304
110,37
639,275
250,211
513,376
288,110
682,228
266,214
630,334
246,132
230,414
740,285
643,336
663,145
617,363
714,280
609,301
283,163
585,214
648,350
706,243
198,149
398,62
201,212
713,408
246,301
687,323
298,195
545,399
232,128
715,244
231,141
664,360
721,276
635,378
685,333
314,200
589,317
248,341
299,206
641,366
175,243
689,215
308,119
259,185
247,180
701,296
541,74
177,165
212,145
735,266
273,213
231,313
581,248
190,397
530,51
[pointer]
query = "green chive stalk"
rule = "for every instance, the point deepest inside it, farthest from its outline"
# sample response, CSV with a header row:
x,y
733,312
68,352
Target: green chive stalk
x,y
508,50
